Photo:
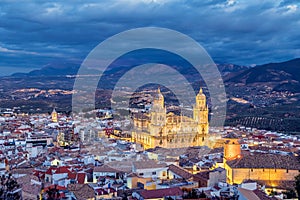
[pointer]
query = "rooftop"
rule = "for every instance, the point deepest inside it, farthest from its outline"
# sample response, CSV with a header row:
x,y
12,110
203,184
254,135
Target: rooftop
x,y
151,194
261,160
180,171
148,164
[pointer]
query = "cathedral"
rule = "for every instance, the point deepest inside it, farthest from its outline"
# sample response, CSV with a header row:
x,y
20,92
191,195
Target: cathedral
x,y
167,130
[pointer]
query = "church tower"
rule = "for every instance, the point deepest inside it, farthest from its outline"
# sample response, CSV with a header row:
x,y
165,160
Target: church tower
x,y
232,149
54,116
157,114
200,114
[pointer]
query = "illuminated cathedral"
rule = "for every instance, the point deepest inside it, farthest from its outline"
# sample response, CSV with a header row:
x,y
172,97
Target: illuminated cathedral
x,y
167,130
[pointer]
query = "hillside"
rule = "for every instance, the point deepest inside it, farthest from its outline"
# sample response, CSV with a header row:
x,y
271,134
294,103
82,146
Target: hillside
x,y
265,96
281,76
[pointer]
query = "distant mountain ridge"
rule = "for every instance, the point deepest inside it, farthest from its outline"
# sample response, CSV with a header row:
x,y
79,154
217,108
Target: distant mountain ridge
x,y
55,69
226,68
283,75
288,70
71,68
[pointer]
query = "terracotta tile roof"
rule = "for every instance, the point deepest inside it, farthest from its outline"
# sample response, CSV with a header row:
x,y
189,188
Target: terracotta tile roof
x,y
248,194
124,165
263,160
148,164
55,186
151,194
39,174
231,135
180,171
81,191
105,168
216,150
58,170
263,196
22,171
201,176
27,186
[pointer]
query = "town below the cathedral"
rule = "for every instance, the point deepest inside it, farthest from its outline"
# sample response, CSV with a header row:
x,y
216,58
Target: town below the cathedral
x,y
164,156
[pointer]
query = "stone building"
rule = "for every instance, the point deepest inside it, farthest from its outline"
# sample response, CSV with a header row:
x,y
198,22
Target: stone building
x,y
271,170
159,128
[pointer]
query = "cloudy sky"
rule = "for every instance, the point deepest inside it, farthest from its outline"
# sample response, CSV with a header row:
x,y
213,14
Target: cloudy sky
x,y
36,33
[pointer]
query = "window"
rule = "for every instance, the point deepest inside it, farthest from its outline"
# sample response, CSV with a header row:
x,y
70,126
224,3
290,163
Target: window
x,y
141,174
164,173
251,170
287,170
153,173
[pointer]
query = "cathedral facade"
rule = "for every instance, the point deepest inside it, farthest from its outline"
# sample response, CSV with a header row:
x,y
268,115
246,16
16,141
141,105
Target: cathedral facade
x,y
167,130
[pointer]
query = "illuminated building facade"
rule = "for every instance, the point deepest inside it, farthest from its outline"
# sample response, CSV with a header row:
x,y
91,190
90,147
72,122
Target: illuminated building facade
x,y
159,128
272,170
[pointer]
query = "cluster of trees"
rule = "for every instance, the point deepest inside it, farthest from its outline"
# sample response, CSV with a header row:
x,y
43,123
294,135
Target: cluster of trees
x,y
9,188
293,192
51,194
297,185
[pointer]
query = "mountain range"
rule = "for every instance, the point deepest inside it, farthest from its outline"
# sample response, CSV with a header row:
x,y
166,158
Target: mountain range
x,y
283,76
287,71
264,96
54,69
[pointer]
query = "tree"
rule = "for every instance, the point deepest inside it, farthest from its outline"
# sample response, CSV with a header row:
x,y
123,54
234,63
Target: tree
x,y
125,197
202,195
8,188
290,194
53,193
297,185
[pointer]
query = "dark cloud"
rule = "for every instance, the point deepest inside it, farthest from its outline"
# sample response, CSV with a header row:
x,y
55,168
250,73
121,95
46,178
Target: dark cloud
x,y
34,33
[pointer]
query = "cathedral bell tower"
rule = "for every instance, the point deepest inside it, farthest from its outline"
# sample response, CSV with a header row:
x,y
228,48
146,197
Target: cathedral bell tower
x,y
200,114
157,114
